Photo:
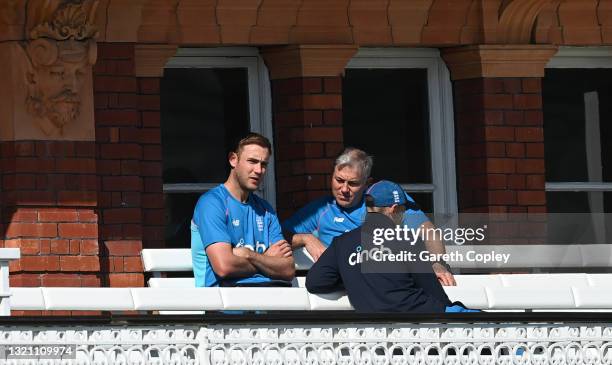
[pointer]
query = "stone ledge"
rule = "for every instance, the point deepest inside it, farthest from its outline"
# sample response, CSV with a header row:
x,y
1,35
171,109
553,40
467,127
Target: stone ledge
x,y
498,60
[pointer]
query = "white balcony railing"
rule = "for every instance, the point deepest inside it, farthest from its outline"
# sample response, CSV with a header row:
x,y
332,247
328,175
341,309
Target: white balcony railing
x,y
291,326
367,342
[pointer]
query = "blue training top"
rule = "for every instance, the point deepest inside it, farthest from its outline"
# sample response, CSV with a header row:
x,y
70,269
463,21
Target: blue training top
x,y
219,217
326,219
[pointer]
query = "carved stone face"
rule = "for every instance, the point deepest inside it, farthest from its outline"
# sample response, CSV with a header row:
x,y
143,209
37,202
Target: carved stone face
x,y
55,81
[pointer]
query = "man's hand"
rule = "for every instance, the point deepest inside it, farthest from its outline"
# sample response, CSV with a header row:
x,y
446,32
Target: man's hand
x,y
444,276
279,249
307,240
276,262
242,252
315,248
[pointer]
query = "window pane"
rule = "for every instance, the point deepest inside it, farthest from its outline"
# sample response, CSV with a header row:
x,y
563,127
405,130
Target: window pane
x,y
424,200
179,210
203,111
577,150
385,113
578,217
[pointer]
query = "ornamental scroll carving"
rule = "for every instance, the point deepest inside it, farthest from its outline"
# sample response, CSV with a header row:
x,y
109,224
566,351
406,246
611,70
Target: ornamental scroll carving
x,y
61,50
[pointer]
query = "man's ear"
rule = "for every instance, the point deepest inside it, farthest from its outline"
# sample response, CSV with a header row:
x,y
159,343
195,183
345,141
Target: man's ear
x,y
233,159
395,208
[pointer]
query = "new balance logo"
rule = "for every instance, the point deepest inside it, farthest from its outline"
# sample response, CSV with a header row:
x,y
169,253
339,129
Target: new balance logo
x,y
236,222
338,219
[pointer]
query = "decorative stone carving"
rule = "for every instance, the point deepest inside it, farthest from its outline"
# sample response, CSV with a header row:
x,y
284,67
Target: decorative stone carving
x,y
69,20
518,18
54,79
61,51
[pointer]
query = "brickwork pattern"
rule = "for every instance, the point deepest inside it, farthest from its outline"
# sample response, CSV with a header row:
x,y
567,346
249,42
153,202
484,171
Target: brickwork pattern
x,y
500,150
128,144
48,211
308,136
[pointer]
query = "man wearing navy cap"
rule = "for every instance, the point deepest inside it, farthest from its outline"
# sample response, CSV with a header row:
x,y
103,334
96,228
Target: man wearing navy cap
x,y
374,282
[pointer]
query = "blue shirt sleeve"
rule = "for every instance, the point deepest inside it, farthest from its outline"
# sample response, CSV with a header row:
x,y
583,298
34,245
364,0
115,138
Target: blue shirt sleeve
x,y
305,220
413,218
274,229
209,216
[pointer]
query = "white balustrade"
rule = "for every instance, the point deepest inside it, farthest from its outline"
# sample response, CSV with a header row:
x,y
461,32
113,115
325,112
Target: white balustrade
x,y
368,344
6,256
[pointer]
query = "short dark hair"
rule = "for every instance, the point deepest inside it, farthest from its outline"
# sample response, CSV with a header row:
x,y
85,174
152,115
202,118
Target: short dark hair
x,y
252,138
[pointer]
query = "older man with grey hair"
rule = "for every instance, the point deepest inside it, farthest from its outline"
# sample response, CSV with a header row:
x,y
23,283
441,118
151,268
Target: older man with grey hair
x,y
316,224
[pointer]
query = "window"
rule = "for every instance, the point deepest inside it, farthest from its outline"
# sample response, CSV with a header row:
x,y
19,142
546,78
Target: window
x,y
209,98
397,105
577,130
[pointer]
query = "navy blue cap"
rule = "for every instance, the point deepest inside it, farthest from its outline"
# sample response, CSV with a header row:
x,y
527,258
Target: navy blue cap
x,y
385,193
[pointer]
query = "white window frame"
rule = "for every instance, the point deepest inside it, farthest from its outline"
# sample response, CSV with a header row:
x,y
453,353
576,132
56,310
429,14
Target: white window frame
x,y
586,58
441,125
260,102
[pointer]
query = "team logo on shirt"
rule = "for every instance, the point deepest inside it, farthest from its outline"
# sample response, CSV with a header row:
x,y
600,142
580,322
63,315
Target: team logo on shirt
x,y
259,247
338,219
236,222
355,258
260,224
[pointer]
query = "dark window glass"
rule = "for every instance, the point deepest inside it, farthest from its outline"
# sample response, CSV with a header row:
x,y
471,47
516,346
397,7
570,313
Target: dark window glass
x,y
576,217
424,200
179,210
203,111
579,202
565,132
385,113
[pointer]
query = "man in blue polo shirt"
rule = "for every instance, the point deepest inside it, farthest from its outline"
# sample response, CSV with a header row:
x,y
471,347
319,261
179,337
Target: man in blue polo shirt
x,y
236,238
315,225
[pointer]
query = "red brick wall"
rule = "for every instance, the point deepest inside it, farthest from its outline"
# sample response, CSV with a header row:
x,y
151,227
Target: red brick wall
x,y
500,155
500,145
48,210
308,136
128,144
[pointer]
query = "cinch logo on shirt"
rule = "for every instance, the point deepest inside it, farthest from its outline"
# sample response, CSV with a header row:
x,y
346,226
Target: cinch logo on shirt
x,y
236,222
355,257
260,224
338,219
